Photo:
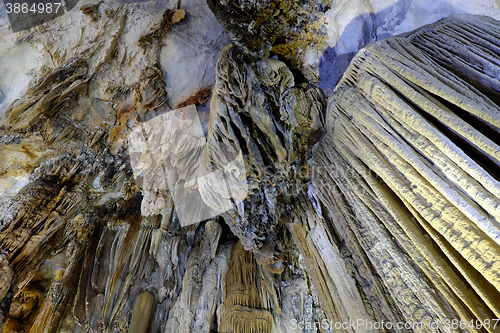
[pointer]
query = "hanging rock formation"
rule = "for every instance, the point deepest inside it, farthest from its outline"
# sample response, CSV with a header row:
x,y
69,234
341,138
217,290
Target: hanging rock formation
x,y
408,171
380,206
87,249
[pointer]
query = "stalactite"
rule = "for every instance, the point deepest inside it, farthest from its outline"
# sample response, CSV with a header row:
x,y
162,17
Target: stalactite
x,y
244,307
142,312
383,208
413,148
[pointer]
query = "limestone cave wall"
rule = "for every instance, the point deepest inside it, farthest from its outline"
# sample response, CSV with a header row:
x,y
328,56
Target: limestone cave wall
x,y
378,203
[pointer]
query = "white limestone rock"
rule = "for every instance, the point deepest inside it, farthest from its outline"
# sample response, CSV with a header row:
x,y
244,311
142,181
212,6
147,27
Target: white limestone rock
x,y
191,52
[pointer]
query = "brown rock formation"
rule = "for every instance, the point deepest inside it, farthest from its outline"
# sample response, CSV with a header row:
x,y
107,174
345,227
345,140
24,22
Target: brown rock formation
x,y
382,206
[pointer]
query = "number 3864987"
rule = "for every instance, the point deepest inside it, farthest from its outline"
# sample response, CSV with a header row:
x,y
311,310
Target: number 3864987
x,y
39,8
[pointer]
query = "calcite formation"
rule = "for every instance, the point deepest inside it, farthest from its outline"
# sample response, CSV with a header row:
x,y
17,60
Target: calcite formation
x,y
288,28
353,24
378,206
408,171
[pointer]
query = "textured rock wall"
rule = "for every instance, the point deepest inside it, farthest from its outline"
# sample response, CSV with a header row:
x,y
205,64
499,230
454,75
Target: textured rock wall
x,y
84,248
382,206
412,149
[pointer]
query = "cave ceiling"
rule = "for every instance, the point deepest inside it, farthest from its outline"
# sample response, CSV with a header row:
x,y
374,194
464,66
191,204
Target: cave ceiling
x,y
250,166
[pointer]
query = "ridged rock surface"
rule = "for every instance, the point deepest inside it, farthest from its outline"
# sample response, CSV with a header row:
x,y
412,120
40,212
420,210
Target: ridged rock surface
x,y
408,171
381,206
353,24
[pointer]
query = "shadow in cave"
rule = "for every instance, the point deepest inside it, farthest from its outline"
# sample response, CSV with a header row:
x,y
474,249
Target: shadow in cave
x,y
368,28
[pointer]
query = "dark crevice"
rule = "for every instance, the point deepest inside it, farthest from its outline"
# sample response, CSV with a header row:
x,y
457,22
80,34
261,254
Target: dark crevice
x,y
214,328
280,40
280,127
265,147
336,235
239,137
480,125
298,76
232,152
226,234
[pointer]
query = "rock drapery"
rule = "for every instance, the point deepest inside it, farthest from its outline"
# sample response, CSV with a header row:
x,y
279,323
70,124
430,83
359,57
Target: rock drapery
x,y
85,248
382,206
352,25
413,151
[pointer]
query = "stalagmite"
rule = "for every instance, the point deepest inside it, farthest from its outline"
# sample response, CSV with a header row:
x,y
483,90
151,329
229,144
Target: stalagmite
x,y
142,312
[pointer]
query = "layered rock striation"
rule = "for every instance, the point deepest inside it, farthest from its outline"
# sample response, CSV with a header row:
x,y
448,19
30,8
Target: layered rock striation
x,y
381,205
408,171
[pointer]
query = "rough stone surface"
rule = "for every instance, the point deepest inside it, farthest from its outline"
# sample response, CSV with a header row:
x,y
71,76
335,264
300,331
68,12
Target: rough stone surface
x,y
400,173
191,52
381,206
